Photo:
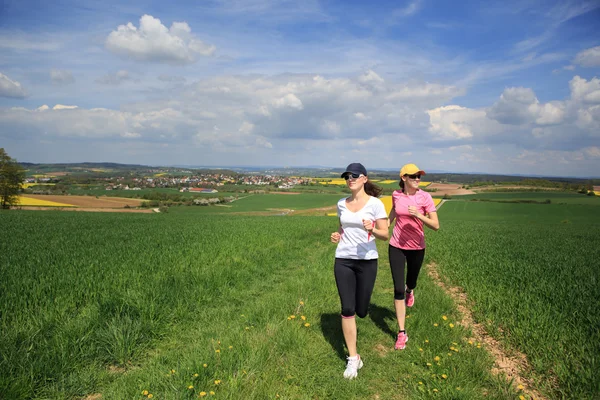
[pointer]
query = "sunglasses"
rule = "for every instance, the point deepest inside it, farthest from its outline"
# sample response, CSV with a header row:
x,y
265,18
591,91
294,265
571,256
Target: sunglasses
x,y
353,176
414,176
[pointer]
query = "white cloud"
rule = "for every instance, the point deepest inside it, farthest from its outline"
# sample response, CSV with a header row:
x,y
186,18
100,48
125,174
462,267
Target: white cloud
x,y
289,100
454,122
589,57
409,10
63,107
153,41
10,88
585,91
593,151
61,77
115,78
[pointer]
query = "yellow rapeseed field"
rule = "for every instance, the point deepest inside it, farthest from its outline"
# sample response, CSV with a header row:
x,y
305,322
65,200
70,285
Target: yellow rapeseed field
x,y
387,202
28,201
27,185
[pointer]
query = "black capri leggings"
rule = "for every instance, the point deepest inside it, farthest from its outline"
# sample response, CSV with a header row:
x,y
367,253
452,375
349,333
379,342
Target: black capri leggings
x,y
355,280
413,260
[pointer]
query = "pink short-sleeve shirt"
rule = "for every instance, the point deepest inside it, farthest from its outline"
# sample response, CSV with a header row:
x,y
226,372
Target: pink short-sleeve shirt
x,y
408,231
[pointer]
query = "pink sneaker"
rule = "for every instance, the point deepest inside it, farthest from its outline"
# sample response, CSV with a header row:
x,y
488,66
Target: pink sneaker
x,y
401,341
410,298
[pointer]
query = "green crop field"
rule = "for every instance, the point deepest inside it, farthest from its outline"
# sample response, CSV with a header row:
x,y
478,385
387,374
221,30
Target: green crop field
x,y
189,303
531,273
266,202
555,197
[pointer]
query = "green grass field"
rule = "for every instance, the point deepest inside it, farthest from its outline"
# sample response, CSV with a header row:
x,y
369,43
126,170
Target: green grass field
x,y
531,273
553,196
187,302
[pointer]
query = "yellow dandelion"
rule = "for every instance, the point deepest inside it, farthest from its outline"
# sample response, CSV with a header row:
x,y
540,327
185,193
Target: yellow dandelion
x,y
521,397
218,342
303,318
230,347
520,387
444,376
301,303
212,393
437,358
426,340
292,316
454,343
202,394
429,364
190,387
435,390
449,354
420,383
451,325
217,351
478,346
470,342
172,371
150,395
289,318
420,349
195,375
435,324
217,382
307,324
444,317
145,393
458,388
408,316
247,328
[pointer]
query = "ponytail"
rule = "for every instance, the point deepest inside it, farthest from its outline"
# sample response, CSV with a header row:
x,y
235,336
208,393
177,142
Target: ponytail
x,y
372,189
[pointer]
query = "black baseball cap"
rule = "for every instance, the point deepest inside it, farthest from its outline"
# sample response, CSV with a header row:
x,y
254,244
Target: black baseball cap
x,y
355,168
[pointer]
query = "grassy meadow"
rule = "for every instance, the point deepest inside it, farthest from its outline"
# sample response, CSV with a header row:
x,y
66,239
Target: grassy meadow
x,y
191,304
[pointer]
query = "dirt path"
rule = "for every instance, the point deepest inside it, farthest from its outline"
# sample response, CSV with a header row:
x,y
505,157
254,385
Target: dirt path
x,y
510,366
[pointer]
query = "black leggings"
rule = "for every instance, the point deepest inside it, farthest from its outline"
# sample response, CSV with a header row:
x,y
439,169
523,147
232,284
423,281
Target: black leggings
x,y
355,280
413,260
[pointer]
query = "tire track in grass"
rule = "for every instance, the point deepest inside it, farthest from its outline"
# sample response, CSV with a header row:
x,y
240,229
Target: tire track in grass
x,y
510,366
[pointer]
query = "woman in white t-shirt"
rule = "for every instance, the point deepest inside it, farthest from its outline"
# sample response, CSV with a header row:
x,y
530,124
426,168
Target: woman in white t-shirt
x,y
362,219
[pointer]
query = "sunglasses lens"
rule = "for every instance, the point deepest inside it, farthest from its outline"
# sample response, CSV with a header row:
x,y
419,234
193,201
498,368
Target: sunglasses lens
x,y
354,176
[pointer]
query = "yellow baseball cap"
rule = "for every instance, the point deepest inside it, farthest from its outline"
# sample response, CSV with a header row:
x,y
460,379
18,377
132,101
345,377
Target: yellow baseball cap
x,y
411,169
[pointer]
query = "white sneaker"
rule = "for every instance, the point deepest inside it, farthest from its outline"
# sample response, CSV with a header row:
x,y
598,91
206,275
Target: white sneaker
x,y
354,364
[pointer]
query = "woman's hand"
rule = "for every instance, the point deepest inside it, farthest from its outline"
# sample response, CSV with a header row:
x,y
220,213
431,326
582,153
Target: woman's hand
x,y
414,211
368,225
335,237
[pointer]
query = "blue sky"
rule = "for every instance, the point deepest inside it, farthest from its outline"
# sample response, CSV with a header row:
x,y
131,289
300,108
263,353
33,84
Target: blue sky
x,y
496,86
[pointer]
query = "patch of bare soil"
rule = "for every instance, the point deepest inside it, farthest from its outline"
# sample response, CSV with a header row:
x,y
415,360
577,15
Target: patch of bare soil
x,y
119,210
511,187
451,189
510,366
316,211
285,192
90,201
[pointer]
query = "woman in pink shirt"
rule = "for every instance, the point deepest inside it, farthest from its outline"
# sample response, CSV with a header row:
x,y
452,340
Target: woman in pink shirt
x,y
411,209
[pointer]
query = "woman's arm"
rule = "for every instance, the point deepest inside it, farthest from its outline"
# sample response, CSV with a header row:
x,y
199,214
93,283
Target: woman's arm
x,y
430,220
381,229
392,216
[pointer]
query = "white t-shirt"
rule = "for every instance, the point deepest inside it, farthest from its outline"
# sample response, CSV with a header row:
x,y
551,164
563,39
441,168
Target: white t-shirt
x,y
356,242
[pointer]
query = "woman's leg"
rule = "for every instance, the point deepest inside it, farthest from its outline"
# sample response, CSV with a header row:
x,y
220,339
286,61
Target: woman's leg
x,y
397,263
345,280
366,274
414,261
